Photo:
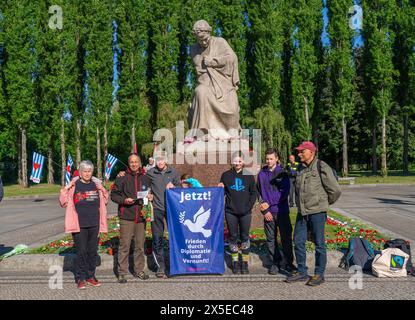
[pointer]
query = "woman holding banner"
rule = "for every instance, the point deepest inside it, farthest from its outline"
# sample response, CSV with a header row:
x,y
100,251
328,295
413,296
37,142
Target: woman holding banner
x,y
85,200
240,196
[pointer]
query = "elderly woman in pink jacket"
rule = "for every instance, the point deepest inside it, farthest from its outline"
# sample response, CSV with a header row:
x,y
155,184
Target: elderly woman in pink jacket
x,y
85,200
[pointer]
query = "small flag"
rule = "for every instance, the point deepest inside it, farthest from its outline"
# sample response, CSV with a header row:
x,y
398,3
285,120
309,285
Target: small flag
x,y
111,161
69,165
37,167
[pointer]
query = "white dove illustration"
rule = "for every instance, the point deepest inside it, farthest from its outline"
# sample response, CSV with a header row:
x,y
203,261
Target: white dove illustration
x,y
199,221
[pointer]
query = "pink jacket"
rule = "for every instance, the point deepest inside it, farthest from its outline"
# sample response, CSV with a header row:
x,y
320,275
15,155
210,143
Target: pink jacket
x,y
71,216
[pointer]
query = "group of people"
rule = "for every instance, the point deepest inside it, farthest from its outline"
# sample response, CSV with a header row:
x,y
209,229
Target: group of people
x,y
313,181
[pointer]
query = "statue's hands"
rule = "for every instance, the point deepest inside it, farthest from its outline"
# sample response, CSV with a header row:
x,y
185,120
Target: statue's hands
x,y
208,62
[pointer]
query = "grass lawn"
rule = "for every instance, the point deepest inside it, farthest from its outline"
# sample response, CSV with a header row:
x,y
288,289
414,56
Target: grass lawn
x,y
35,189
41,189
394,176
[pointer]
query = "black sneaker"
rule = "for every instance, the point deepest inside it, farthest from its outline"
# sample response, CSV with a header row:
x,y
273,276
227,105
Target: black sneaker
x,y
122,279
296,277
244,268
315,281
141,275
236,267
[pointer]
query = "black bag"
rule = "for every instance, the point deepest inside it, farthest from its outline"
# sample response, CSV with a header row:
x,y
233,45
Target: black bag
x,y
405,247
359,253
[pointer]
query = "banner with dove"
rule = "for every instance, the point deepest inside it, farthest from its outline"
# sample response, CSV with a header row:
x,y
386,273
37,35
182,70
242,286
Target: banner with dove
x,y
37,167
195,222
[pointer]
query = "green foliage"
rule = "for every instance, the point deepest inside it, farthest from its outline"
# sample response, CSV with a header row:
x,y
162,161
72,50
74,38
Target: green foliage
x,y
274,133
291,87
306,34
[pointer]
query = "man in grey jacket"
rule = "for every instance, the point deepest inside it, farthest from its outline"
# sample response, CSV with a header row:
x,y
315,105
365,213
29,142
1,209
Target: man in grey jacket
x,y
316,188
162,177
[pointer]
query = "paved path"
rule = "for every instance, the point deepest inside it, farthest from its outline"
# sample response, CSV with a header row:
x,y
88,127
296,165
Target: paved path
x,y
391,207
33,221
229,287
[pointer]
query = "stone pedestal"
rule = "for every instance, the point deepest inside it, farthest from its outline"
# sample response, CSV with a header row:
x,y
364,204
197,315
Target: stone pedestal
x,y
207,167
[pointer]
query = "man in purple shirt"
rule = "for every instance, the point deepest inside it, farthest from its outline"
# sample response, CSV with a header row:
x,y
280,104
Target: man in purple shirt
x,y
274,188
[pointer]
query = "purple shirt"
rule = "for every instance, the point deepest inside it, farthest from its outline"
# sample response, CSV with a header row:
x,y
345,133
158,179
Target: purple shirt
x,y
274,188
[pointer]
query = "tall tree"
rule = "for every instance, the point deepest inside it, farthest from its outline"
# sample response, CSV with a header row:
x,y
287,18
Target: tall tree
x,y
343,70
265,48
380,69
404,56
163,53
99,65
19,71
304,63
134,109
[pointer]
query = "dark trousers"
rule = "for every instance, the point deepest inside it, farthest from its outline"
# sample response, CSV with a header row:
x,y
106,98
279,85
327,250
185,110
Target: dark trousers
x,y
128,231
86,246
157,229
238,225
316,224
282,223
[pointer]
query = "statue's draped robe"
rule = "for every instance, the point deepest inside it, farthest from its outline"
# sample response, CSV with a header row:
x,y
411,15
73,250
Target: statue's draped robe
x,y
215,102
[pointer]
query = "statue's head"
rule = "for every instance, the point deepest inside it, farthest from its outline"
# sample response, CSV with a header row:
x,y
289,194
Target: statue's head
x,y
202,30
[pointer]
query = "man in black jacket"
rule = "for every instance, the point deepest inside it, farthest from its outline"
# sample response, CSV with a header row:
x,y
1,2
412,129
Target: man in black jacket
x,y
128,192
240,193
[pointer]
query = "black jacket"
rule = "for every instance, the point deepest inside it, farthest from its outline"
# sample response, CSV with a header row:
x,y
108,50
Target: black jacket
x,y
127,187
240,192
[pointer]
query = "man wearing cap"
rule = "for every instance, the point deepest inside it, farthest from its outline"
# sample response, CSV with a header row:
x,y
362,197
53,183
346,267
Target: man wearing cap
x,y
316,188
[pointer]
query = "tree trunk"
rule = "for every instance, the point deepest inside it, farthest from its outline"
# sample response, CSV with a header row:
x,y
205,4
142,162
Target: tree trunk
x,y
307,117
63,152
383,158
106,139
99,164
405,145
19,159
374,145
50,161
25,182
78,142
345,171
133,137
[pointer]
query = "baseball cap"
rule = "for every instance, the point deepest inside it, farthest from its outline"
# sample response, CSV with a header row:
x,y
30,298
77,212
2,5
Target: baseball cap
x,y
306,145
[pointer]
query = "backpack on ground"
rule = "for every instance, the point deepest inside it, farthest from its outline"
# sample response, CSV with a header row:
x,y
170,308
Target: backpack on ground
x,y
359,253
391,263
404,246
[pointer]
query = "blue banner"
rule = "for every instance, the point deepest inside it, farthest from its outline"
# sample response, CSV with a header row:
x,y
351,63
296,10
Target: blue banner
x,y
195,222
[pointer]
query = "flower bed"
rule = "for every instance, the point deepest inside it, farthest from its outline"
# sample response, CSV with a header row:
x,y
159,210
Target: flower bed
x,y
339,230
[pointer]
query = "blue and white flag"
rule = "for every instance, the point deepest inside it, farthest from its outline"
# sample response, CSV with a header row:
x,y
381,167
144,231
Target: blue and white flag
x,y
69,165
37,167
109,165
195,222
